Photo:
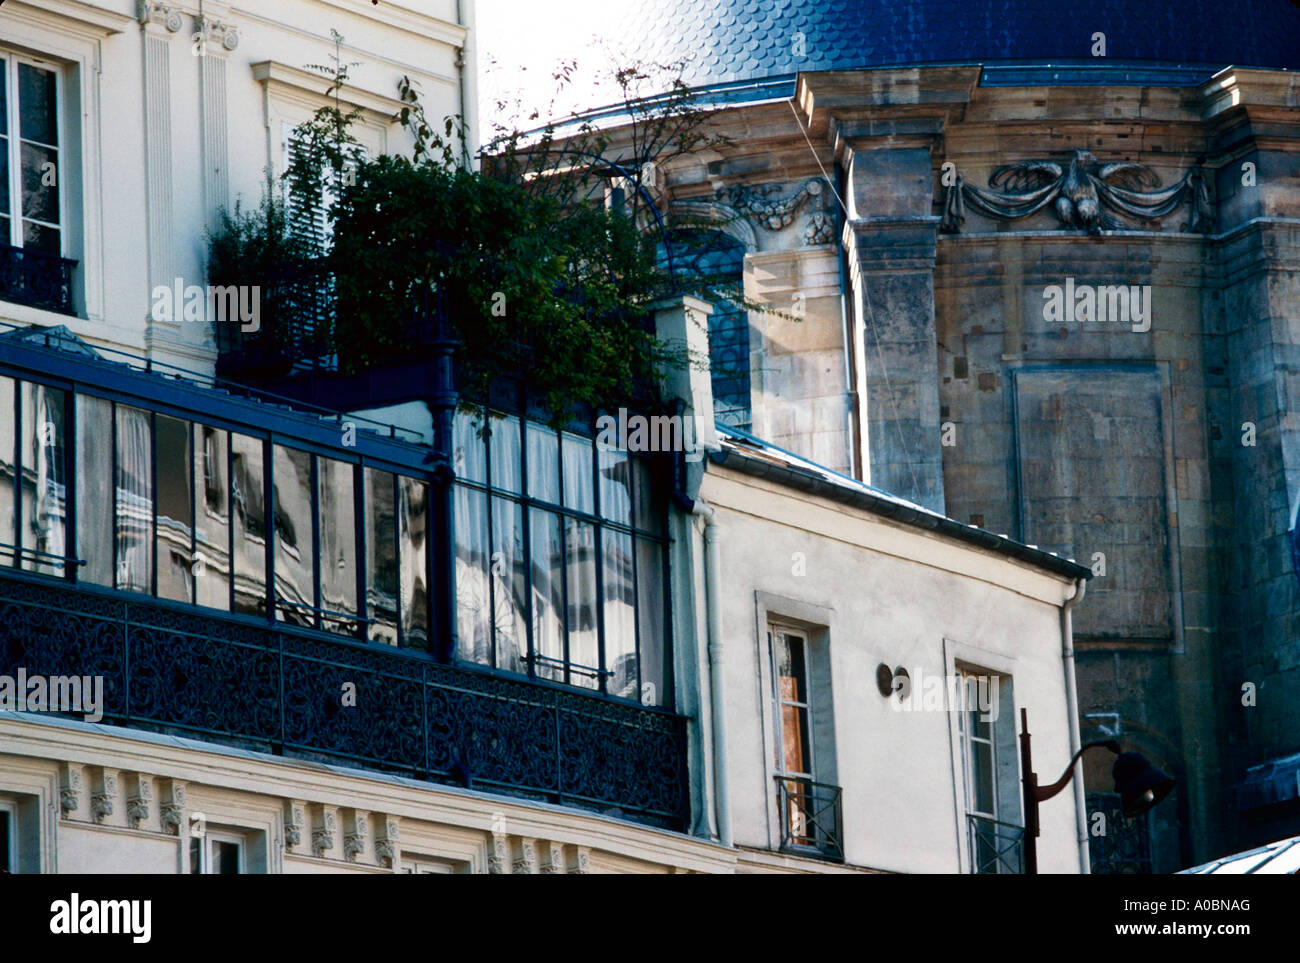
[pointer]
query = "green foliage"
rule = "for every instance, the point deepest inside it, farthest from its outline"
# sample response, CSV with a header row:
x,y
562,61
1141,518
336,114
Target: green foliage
x,y
548,258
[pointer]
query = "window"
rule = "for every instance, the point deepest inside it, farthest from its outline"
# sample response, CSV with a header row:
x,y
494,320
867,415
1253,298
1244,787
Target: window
x,y
218,854
559,558
176,508
30,205
313,221
990,771
808,810
33,197
8,837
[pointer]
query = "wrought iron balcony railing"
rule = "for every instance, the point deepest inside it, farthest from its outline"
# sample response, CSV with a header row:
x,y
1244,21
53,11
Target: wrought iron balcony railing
x,y
811,817
995,847
171,668
36,279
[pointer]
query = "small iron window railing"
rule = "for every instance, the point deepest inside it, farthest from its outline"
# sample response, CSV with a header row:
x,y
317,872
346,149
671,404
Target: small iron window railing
x,y
995,847
811,817
36,279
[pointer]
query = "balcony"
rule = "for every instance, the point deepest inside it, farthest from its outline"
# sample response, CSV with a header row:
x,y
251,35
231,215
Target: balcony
x,y
995,847
174,669
811,818
36,279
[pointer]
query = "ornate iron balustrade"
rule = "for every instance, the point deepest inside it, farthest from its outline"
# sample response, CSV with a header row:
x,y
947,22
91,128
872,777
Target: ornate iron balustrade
x,y
811,817
36,279
995,847
169,668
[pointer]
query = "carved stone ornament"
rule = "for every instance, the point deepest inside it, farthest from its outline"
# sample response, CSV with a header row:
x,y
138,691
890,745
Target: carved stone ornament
x,y
1084,195
386,841
498,851
322,837
293,823
70,791
101,803
150,11
776,213
216,31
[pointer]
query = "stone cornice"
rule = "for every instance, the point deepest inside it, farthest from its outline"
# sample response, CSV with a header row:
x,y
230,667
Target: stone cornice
x,y
105,22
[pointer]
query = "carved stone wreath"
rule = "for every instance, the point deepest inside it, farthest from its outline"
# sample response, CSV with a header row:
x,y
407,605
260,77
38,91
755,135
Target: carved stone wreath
x,y
1084,195
777,213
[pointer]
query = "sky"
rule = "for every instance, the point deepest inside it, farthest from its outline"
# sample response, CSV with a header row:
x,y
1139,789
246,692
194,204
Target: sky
x,y
528,38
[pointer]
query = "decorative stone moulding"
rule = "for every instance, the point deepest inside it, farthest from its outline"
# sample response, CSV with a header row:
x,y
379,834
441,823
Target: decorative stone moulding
x,y
217,31
1084,195
777,213
172,810
150,11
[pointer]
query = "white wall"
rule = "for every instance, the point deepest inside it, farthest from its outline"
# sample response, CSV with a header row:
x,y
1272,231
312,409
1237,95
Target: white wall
x,y
888,594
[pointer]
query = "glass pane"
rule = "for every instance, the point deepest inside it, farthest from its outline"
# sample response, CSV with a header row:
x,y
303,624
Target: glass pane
x,y
8,467
40,166
211,529
196,855
44,509
504,447
982,777
36,105
381,556
468,454
791,681
4,180
294,569
4,95
175,509
615,485
543,464
413,532
580,566
38,237
338,544
225,858
794,733
651,503
577,474
134,499
509,587
650,619
620,615
94,497
473,598
547,561
248,507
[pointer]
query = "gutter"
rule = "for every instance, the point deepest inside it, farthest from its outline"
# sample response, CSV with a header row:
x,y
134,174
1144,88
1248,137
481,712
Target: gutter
x,y
890,508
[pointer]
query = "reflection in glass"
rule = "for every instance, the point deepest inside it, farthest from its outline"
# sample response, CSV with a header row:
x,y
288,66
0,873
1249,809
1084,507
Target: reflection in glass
x,y
338,545
175,509
134,500
211,532
468,450
381,556
509,587
578,493
8,466
248,509
473,592
651,506
94,491
44,511
503,445
413,541
547,563
294,576
620,614
653,643
580,566
615,485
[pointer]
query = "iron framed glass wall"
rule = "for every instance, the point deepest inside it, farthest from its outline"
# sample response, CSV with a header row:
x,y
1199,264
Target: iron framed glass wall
x,y
560,562
128,495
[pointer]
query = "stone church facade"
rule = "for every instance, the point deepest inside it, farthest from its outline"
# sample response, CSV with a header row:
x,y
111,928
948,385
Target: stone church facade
x,y
1052,298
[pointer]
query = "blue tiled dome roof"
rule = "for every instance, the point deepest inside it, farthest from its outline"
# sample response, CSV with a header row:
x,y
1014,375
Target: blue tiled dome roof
x,y
733,41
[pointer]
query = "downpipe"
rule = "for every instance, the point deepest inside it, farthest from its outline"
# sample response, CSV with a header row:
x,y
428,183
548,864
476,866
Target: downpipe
x,y
713,619
1072,711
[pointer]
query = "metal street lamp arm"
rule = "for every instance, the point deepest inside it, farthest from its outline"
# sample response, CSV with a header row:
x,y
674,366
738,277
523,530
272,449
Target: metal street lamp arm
x,y
1043,793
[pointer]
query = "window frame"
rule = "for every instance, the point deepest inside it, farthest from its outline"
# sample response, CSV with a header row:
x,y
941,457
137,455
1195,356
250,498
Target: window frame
x,y
479,420
13,119
205,841
9,808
